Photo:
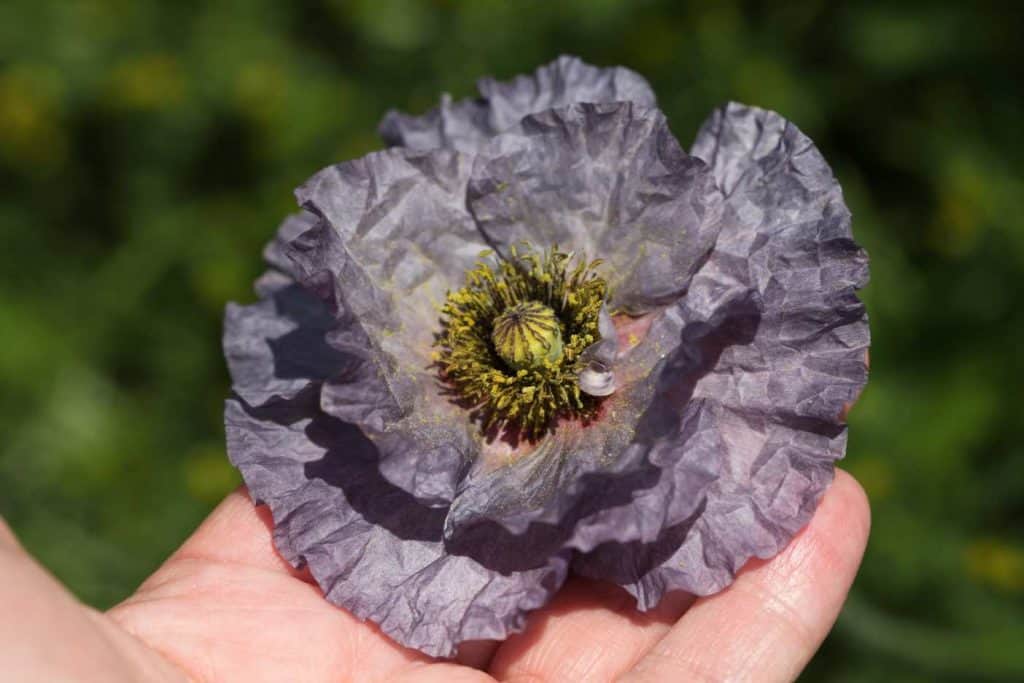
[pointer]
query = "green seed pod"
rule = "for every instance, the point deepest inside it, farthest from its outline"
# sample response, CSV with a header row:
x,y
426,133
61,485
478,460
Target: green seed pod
x,y
512,338
527,335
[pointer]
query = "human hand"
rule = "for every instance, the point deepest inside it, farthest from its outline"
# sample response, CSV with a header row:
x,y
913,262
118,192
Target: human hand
x,y
226,607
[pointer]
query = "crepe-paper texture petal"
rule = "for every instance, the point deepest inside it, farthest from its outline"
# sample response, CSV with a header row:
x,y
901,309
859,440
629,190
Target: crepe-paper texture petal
x,y
466,124
773,353
374,550
732,335
393,237
604,180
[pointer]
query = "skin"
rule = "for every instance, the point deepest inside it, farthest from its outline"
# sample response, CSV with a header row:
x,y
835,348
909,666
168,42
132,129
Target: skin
x,y
226,607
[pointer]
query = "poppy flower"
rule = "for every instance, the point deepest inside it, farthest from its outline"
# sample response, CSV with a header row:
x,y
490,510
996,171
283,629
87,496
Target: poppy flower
x,y
535,337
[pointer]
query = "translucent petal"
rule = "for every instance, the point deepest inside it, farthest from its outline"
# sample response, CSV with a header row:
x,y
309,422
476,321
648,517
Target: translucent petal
x,y
606,181
466,125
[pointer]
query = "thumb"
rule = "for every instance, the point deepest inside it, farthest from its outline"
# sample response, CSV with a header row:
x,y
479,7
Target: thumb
x,y
47,635
7,538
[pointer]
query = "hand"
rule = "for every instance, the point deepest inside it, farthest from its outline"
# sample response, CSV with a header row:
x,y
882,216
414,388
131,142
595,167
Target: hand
x,y
226,607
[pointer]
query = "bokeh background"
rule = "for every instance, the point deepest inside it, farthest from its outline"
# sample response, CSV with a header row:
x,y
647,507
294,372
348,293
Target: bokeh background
x,y
148,150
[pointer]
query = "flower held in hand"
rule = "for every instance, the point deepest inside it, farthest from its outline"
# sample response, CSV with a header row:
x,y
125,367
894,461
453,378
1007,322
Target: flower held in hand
x,y
533,337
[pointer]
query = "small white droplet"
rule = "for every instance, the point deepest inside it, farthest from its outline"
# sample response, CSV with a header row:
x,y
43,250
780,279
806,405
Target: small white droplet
x,y
597,380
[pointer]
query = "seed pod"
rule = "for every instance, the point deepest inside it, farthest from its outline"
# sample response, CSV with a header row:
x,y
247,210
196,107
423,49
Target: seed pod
x,y
527,335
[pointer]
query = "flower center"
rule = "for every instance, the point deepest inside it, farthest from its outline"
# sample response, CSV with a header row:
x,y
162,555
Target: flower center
x,y
527,336
511,339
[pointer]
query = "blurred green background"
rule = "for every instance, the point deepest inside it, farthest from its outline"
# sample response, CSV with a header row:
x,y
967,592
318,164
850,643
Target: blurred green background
x,y
148,150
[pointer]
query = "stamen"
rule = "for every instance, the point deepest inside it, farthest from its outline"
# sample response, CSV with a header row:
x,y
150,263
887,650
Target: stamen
x,y
512,338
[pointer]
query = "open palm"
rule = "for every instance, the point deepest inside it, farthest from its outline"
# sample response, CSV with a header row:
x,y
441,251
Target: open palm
x,y
226,607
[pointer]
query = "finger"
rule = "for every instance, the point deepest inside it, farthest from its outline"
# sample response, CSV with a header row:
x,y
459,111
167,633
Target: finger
x,y
7,538
476,654
766,626
48,635
591,631
237,532
226,604
226,623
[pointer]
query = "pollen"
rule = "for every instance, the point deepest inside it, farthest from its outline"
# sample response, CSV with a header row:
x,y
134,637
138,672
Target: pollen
x,y
511,338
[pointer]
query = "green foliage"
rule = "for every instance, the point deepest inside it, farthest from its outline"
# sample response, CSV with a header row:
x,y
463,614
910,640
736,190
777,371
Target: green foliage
x,y
147,151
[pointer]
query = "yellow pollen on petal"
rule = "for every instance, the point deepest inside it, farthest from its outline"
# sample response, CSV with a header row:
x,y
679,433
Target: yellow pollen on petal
x,y
511,339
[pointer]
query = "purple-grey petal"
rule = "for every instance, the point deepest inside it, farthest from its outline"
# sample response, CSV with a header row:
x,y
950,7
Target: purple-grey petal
x,y
276,347
605,180
276,251
773,351
465,125
393,237
374,550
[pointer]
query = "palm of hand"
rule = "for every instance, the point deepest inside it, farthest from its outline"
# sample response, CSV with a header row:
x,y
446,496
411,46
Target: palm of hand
x,y
226,607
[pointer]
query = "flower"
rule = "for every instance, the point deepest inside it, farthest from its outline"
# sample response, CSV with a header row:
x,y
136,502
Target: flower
x,y
383,383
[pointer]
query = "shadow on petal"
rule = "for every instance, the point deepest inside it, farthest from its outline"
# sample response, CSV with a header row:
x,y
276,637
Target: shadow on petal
x,y
591,508
352,463
626,563
304,352
701,345
491,544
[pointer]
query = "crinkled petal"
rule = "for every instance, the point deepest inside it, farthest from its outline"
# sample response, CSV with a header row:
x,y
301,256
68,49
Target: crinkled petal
x,y
374,550
607,181
565,81
773,351
588,485
530,500
276,348
276,251
461,125
393,237
467,124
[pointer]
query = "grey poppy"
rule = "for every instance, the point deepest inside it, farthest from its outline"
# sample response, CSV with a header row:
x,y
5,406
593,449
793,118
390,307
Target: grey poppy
x,y
736,347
